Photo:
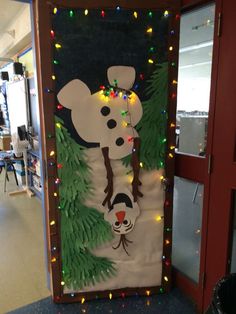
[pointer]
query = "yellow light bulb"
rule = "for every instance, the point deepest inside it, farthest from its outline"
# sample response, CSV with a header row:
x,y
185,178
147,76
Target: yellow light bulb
x,y
162,178
174,82
166,13
120,94
55,10
58,125
124,123
148,292
130,179
53,260
53,77
150,61
86,12
110,295
171,48
141,164
172,125
58,46
172,147
158,218
52,153
82,300
166,278
135,14
149,30
171,155
52,223
55,194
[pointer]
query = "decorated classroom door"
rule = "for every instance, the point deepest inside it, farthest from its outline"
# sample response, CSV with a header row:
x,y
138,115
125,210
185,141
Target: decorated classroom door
x,y
110,72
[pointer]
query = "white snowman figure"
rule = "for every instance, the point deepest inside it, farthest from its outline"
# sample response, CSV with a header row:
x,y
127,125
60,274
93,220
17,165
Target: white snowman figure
x,y
122,216
108,117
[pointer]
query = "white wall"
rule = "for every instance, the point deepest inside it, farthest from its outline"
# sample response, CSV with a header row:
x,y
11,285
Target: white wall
x,y
21,25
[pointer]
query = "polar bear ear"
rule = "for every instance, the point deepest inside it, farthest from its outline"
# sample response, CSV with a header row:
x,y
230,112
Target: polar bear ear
x,y
73,93
124,76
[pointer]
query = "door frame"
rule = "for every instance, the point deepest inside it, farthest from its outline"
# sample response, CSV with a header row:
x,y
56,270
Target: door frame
x,y
199,168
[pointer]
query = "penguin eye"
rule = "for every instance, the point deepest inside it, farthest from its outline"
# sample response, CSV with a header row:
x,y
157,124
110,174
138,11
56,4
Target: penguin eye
x,y
125,222
117,223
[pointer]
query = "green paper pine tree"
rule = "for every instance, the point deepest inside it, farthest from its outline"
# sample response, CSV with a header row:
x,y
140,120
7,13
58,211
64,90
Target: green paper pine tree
x,y
82,228
152,126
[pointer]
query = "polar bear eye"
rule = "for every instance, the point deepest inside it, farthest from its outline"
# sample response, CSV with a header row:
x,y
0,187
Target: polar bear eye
x,y
117,223
105,111
125,222
119,141
111,124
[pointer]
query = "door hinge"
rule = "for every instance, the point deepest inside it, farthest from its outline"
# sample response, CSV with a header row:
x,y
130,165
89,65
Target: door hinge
x,y
203,280
209,164
219,26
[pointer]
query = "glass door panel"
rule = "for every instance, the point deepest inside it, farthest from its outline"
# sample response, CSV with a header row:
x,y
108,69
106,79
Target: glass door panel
x,y
195,62
187,220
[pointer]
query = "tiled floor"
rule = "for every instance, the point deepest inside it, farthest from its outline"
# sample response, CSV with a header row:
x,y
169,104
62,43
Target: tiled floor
x,y
22,266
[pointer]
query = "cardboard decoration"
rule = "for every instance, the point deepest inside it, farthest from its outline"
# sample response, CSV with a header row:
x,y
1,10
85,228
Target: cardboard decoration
x,y
111,176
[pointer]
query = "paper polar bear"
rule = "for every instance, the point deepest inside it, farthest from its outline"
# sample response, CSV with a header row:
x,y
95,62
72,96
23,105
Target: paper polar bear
x,y
99,119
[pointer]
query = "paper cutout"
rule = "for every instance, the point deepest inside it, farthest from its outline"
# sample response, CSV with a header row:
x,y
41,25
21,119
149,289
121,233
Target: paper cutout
x,y
122,216
98,119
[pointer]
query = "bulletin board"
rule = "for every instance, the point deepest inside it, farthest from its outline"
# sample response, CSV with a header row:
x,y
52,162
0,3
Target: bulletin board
x,y
110,84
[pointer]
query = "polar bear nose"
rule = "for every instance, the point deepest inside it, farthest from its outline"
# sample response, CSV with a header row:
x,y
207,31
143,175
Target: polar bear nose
x,y
120,216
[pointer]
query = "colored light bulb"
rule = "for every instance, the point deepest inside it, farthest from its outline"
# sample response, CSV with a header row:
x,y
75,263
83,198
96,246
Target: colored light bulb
x,y
150,13
55,10
53,260
52,33
110,295
141,164
55,62
103,13
135,14
58,125
158,218
118,8
58,46
59,107
148,292
166,13
82,300
59,166
86,12
150,61
151,49
71,13
149,30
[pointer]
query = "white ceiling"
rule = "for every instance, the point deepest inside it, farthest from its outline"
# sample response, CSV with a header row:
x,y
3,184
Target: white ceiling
x,y
9,9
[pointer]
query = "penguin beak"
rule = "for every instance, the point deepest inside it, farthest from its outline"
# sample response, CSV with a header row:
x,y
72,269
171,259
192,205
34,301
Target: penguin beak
x,y
120,216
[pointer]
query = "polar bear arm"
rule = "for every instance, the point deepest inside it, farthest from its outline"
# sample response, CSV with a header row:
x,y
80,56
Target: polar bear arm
x,y
124,75
73,93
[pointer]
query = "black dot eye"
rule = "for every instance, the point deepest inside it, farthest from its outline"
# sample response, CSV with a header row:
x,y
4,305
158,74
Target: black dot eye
x,y
117,223
125,222
111,124
105,111
119,141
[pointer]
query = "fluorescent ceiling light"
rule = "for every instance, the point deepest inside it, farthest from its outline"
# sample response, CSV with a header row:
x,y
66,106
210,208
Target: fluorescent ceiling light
x,y
194,65
195,47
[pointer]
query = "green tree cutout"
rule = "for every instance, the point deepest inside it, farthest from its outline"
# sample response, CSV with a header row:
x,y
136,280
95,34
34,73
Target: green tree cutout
x,y
82,228
152,126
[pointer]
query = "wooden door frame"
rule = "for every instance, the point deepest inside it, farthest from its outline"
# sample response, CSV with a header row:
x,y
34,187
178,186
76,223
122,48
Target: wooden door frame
x,y
43,44
197,168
